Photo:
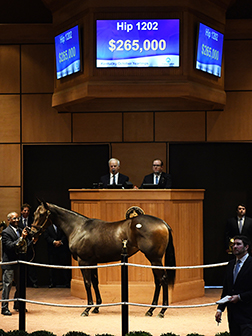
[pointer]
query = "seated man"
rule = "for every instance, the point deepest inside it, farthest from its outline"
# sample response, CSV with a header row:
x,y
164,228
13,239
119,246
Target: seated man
x,y
158,177
114,177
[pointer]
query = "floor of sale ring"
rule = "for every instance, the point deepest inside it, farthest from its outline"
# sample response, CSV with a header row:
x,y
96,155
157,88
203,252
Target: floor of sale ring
x,y
59,321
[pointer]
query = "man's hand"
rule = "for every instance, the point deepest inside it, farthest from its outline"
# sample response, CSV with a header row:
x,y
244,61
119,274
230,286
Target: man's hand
x,y
57,243
24,233
234,299
218,316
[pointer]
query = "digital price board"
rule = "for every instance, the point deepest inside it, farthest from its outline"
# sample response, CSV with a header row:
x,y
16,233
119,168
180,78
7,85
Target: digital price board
x,y
67,50
137,43
209,50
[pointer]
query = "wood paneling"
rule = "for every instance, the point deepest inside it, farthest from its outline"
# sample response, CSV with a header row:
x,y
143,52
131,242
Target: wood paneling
x,y
26,33
10,201
238,65
234,123
10,165
41,123
10,118
180,126
37,68
9,68
97,127
181,209
136,158
138,126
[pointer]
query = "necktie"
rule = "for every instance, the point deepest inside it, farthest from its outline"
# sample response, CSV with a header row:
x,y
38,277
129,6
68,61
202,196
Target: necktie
x,y
240,225
156,179
25,222
17,232
236,270
114,179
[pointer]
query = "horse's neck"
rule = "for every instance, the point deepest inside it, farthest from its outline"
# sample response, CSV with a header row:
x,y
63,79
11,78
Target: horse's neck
x,y
65,219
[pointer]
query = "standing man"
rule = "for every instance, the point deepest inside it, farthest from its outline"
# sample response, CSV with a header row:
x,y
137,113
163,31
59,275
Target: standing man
x,y
238,289
158,177
26,220
238,225
13,248
58,254
114,177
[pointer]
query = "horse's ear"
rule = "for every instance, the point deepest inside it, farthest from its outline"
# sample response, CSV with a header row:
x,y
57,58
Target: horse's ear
x,y
42,202
45,205
38,200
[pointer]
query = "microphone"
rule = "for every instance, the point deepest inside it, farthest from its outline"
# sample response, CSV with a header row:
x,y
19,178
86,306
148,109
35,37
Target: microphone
x,y
113,171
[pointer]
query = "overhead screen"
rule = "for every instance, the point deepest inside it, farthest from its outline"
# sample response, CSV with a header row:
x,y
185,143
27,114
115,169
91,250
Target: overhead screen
x,y
67,50
137,43
209,50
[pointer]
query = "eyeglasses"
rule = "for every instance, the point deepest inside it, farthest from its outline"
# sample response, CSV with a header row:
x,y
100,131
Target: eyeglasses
x,y
16,218
156,165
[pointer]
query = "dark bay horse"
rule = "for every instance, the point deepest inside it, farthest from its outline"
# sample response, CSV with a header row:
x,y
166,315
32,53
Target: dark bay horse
x,y
93,241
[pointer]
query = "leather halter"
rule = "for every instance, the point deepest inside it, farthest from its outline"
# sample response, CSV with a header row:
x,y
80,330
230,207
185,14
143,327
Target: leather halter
x,y
41,227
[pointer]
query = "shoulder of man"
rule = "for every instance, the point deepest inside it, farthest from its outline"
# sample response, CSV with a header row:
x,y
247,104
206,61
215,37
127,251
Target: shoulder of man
x,y
165,174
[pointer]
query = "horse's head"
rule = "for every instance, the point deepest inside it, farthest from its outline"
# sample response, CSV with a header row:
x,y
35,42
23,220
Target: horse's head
x,y
41,220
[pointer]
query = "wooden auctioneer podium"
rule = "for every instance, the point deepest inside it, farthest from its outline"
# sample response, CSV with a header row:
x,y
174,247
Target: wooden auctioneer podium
x,y
182,209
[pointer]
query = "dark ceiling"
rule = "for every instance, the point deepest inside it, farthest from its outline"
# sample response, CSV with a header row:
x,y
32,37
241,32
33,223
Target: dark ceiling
x,y
34,11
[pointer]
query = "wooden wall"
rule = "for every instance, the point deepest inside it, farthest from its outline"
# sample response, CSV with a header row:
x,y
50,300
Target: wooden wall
x,y
26,87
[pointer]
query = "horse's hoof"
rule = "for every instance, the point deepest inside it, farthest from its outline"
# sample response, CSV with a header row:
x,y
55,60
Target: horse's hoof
x,y
148,313
85,313
95,310
161,315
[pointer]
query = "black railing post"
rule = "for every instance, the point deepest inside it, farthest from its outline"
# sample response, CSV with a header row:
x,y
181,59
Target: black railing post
x,y
124,290
22,295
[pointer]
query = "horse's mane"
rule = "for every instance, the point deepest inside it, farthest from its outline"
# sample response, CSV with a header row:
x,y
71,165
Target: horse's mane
x,y
66,210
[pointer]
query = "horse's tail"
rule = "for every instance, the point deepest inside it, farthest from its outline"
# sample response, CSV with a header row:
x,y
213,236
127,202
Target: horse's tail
x,y
170,259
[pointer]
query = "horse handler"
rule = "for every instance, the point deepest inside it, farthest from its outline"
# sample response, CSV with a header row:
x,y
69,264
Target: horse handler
x,y
14,247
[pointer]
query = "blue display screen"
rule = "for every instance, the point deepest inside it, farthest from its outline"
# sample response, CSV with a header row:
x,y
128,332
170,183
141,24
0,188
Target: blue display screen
x,y
137,43
209,50
67,49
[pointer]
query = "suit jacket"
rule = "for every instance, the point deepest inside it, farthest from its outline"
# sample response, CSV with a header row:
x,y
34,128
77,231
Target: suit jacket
x,y
30,221
240,312
50,235
121,179
9,247
232,229
165,181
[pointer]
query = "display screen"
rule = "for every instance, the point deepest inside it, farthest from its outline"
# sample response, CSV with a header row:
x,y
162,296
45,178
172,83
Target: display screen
x,y
209,50
137,43
67,49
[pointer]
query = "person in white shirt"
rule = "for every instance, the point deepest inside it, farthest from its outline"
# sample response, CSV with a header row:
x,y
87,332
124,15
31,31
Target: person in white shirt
x,y
13,249
114,177
158,177
237,288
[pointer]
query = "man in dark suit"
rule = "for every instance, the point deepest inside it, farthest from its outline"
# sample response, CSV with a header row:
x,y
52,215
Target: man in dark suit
x,y
158,177
114,177
26,220
13,249
239,225
237,289
58,254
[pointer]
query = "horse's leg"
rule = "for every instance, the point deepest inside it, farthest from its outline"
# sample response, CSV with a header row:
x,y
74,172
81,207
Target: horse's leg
x,y
164,283
156,294
86,273
95,282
